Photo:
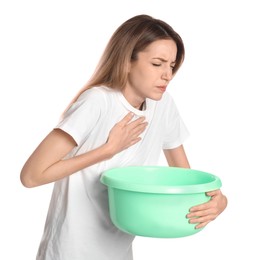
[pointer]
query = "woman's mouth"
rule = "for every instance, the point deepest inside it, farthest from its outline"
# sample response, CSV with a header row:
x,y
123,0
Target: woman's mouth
x,y
162,88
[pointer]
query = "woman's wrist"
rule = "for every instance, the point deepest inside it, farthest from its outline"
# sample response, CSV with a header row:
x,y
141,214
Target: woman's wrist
x,y
108,150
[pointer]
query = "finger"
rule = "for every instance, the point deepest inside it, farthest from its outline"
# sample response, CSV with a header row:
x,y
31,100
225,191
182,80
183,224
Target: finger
x,y
138,129
126,119
198,214
134,141
138,126
203,206
201,225
213,193
136,122
202,219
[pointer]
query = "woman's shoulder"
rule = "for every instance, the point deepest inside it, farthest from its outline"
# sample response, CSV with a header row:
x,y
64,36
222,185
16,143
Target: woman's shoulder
x,y
96,93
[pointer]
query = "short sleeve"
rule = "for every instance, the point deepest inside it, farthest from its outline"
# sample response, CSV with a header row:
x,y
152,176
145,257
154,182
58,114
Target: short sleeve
x,y
80,119
176,131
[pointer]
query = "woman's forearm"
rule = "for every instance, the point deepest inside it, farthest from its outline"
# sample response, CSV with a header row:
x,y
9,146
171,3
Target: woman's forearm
x,y
65,167
46,164
177,157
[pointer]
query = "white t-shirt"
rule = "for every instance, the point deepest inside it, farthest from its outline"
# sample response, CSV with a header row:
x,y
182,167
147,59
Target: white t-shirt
x,y
78,226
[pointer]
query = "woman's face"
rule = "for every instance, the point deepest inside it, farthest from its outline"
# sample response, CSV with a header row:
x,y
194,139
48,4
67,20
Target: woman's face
x,y
150,74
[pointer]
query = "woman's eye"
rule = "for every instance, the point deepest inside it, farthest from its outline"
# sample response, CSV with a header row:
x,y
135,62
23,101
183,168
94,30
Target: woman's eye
x,y
156,64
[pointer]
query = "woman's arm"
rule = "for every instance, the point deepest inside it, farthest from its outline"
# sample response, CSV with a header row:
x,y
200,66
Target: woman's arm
x,y
206,212
46,164
176,157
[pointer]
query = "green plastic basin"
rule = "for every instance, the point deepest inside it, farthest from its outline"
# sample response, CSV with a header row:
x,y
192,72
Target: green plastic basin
x,y
154,201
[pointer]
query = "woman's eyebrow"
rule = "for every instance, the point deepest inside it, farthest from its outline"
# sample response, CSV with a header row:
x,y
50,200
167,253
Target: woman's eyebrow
x,y
163,60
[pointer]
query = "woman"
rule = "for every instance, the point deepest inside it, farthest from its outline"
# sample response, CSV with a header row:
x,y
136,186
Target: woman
x,y
122,117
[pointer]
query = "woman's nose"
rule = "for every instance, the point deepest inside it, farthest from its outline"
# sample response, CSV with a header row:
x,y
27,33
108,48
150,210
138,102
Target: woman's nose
x,y
167,74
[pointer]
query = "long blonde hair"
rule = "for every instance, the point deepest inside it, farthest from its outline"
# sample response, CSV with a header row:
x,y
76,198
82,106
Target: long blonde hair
x,y
133,36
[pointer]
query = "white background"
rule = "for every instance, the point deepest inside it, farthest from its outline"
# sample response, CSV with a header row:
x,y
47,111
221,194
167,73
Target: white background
x,y
48,50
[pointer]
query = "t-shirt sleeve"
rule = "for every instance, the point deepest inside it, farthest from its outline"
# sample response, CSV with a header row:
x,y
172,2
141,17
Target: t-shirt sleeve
x,y
176,131
82,116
